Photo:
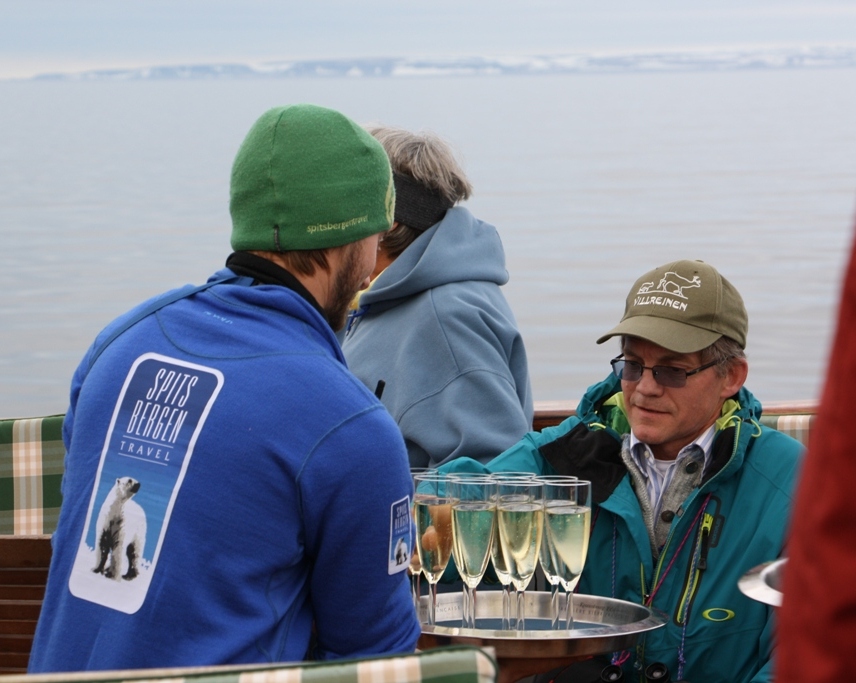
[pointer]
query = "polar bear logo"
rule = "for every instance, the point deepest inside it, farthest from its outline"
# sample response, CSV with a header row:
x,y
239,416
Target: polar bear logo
x,y
401,555
120,531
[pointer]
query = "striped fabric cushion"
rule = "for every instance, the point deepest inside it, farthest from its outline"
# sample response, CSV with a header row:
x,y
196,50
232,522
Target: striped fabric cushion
x,y
31,463
453,664
796,426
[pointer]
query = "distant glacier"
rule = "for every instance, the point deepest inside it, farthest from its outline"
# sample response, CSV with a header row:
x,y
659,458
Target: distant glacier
x,y
725,59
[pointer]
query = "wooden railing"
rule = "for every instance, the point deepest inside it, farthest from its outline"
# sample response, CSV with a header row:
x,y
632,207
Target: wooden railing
x,y
550,413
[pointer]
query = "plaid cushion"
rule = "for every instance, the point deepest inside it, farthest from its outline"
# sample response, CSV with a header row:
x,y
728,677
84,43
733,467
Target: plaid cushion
x,y
453,664
31,464
796,426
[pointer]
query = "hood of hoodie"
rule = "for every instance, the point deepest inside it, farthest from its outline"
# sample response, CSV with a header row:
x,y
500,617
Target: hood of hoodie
x,y
459,248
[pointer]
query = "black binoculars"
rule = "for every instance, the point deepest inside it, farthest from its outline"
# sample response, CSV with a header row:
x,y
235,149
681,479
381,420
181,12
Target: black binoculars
x,y
612,674
654,673
657,673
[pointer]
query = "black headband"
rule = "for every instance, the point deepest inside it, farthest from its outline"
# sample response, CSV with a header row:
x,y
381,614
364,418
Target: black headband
x,y
415,205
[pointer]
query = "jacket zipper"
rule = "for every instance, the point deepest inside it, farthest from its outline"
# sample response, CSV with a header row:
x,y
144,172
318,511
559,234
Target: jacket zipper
x,y
698,556
698,564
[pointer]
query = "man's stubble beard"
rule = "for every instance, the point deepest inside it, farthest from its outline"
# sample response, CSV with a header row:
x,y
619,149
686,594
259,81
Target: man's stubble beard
x,y
345,287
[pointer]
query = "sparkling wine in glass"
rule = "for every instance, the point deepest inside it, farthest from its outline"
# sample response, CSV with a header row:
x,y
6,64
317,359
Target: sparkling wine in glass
x,y
549,560
414,569
500,566
567,523
433,506
473,529
520,520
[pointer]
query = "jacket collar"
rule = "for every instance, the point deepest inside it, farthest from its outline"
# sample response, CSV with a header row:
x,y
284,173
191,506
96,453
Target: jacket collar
x,y
602,410
266,272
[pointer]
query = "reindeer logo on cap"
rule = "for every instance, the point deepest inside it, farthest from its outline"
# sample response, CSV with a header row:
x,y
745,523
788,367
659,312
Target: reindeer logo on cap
x,y
673,284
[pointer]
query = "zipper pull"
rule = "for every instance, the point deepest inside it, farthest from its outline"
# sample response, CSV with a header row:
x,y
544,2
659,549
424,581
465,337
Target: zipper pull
x,y
706,526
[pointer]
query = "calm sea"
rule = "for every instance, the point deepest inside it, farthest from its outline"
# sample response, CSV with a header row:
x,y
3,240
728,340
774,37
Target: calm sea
x,y
112,192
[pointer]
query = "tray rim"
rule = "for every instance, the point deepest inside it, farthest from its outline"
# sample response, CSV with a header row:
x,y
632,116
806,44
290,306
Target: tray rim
x,y
539,643
755,583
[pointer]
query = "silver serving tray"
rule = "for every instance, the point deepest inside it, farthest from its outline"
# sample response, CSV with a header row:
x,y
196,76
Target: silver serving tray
x,y
764,582
601,625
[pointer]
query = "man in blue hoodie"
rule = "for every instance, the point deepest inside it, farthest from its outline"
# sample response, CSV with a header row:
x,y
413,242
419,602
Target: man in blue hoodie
x,y
215,507
435,326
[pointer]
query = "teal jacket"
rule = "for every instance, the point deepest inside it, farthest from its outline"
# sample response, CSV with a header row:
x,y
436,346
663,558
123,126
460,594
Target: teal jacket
x,y
734,518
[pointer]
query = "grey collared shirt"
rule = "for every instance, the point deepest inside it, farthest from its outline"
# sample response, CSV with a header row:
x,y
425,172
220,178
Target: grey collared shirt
x,y
658,474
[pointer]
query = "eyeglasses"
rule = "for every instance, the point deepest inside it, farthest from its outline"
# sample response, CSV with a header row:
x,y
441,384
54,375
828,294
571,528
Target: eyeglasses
x,y
664,375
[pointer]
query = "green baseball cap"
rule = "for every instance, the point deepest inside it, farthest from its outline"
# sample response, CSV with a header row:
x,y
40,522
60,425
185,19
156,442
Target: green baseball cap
x,y
307,177
683,306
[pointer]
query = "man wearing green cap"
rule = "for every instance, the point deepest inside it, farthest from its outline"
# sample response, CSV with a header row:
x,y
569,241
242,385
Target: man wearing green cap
x,y
215,500
689,490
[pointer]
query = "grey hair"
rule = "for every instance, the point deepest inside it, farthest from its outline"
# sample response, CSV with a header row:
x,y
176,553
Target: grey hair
x,y
425,157
724,351
429,160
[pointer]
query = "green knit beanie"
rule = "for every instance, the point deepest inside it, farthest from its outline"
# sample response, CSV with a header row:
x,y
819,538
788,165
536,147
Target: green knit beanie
x,y
307,177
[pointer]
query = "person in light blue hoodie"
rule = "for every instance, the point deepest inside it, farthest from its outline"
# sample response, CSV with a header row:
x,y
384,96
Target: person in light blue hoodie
x,y
434,332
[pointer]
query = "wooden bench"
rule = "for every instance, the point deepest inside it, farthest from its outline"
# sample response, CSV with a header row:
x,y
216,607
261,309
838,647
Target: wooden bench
x,y
31,464
24,562
31,461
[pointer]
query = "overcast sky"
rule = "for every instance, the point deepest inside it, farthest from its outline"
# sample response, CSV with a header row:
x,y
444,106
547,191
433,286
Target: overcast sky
x,y
38,36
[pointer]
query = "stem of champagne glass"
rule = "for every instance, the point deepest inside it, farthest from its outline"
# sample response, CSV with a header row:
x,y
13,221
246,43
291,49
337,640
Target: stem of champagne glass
x,y
554,604
432,603
570,610
506,610
512,609
465,607
521,614
469,607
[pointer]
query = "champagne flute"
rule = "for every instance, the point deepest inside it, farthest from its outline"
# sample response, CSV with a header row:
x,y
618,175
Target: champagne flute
x,y
433,506
500,566
520,519
550,562
567,521
414,569
473,524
